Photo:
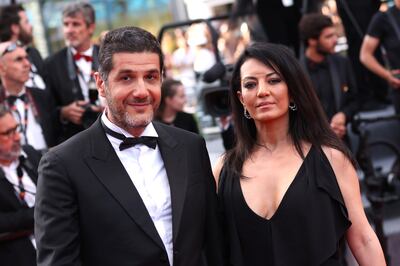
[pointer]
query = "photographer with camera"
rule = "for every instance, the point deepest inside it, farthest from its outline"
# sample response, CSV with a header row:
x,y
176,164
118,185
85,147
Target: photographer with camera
x,y
70,71
385,29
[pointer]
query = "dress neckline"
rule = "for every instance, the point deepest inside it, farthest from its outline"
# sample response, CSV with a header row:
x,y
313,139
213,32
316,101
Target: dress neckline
x,y
283,200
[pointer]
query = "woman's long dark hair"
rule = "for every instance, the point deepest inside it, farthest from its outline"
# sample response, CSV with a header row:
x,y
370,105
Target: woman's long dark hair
x,y
168,89
308,123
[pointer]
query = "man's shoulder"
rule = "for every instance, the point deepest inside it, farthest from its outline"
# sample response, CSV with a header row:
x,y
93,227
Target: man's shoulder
x,y
178,133
57,57
339,59
76,146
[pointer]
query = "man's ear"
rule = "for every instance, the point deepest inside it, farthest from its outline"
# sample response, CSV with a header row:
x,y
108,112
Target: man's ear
x,y
91,28
15,28
312,42
100,84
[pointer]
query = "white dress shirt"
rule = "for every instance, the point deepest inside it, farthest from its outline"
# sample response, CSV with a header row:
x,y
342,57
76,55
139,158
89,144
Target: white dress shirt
x,y
146,170
34,133
85,69
10,173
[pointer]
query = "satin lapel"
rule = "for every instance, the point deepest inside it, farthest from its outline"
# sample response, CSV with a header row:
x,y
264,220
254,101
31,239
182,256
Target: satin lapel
x,y
107,167
7,191
174,157
335,81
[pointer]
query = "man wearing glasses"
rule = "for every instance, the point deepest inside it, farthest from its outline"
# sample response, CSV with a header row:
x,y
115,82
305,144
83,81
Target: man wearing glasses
x,y
31,107
18,176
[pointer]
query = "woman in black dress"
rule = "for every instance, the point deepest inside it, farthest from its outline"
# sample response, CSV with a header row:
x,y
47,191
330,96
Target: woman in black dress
x,y
288,190
173,99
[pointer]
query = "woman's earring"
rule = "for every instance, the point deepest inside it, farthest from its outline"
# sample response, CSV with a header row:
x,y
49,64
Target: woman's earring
x,y
292,106
246,113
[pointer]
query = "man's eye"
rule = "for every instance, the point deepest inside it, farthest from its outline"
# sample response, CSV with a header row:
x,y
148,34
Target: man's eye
x,y
249,85
126,78
151,77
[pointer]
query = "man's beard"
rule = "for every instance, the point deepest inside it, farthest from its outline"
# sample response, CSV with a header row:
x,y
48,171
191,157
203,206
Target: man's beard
x,y
11,155
322,51
24,37
122,118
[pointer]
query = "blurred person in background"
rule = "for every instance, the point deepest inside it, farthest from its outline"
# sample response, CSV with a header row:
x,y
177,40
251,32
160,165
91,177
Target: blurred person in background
x,y
355,16
330,73
384,30
15,27
18,176
32,107
172,103
70,71
288,190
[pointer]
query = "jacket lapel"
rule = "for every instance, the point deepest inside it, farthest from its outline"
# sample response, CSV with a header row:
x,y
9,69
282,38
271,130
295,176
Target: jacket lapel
x,y
107,167
175,162
335,81
7,191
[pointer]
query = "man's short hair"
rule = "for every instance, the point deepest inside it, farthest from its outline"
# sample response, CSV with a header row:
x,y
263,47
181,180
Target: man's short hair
x,y
9,15
311,26
126,39
4,110
86,9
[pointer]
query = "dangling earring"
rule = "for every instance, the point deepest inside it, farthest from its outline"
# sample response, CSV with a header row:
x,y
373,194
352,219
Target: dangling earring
x,y
246,113
292,106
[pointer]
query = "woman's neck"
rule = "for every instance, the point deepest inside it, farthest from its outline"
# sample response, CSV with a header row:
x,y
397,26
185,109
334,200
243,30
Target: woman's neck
x,y
169,115
273,135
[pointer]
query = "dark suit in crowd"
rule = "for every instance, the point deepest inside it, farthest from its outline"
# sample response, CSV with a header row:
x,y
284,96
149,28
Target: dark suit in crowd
x,y
16,220
111,225
63,84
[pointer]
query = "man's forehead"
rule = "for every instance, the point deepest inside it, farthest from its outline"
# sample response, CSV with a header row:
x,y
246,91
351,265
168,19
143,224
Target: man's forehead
x,y
147,61
7,121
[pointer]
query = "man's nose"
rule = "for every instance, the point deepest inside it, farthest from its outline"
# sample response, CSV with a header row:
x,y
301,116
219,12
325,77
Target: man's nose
x,y
140,90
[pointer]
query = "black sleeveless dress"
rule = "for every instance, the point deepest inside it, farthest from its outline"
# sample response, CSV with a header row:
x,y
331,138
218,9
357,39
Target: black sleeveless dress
x,y
306,229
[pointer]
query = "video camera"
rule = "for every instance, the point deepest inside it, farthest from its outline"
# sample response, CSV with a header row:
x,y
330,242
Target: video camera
x,y
213,85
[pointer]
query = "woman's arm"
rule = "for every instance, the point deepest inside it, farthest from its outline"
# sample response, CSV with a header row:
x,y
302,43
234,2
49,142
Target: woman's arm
x,y
361,238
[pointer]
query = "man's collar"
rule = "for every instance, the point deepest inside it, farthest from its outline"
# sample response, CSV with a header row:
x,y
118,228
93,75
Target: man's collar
x,y
87,52
149,130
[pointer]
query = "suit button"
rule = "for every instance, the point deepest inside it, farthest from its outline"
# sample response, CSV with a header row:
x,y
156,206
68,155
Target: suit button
x,y
176,252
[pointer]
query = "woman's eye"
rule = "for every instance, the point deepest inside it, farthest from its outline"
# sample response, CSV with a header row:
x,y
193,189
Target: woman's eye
x,y
249,85
274,81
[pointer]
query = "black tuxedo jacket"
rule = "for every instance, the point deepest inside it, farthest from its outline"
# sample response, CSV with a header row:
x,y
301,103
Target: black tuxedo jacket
x,y
88,212
36,59
64,88
16,221
343,84
47,116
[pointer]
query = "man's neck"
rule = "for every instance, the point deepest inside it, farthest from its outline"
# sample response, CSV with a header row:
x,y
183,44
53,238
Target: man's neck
x,y
83,47
12,88
314,55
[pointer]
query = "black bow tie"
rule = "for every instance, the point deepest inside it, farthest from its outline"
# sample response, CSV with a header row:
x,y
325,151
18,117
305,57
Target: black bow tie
x,y
12,98
128,142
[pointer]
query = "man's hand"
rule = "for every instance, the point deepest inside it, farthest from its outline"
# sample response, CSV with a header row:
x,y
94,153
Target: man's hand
x,y
73,112
394,79
338,124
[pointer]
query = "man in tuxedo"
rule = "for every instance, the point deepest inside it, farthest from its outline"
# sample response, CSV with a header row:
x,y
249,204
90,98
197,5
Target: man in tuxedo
x,y
31,107
128,191
69,72
18,176
330,73
15,26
